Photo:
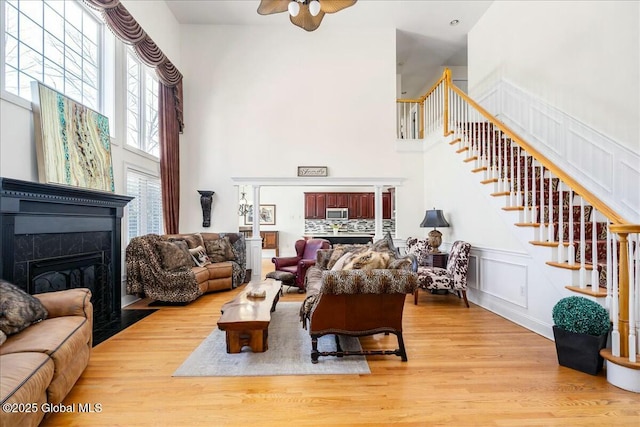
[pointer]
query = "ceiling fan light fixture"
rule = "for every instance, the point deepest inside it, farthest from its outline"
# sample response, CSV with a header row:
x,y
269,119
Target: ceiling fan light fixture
x,y
314,7
294,8
306,14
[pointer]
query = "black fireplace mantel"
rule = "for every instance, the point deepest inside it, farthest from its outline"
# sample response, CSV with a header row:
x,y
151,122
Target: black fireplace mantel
x,y
40,221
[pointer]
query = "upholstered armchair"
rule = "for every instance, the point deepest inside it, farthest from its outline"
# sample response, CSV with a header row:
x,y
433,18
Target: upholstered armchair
x,y
453,278
306,251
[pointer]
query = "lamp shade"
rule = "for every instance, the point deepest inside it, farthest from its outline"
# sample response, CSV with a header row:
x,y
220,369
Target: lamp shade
x,y
434,218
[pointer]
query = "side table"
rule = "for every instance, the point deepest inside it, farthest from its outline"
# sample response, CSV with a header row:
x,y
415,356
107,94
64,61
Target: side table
x,y
440,259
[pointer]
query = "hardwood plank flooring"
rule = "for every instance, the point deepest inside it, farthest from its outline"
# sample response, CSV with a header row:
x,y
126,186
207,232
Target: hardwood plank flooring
x,y
467,367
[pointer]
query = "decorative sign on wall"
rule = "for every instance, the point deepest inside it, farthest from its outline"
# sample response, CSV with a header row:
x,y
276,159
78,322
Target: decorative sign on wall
x,y
312,171
73,146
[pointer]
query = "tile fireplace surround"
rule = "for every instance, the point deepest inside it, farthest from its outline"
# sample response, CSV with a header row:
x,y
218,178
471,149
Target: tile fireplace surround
x,y
55,237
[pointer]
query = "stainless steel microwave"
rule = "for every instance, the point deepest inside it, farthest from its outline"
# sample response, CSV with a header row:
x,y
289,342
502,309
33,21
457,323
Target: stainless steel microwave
x,y
337,213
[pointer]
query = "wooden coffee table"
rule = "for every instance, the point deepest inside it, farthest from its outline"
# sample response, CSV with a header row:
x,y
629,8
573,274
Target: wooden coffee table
x,y
246,319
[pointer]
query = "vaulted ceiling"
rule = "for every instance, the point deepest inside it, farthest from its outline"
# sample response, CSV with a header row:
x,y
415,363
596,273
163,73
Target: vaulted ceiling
x,y
425,38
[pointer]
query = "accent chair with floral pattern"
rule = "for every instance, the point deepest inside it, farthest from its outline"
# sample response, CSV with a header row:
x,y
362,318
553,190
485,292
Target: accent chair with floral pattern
x,y
450,279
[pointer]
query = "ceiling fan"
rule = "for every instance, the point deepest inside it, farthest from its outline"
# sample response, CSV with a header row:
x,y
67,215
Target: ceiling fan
x,y
306,14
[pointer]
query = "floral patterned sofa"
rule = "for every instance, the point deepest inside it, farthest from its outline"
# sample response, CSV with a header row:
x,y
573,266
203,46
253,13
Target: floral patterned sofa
x,y
363,295
181,267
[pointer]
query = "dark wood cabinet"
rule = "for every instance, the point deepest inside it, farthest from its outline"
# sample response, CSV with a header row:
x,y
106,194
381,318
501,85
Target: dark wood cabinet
x,y
361,205
440,259
315,205
337,200
270,240
386,205
358,206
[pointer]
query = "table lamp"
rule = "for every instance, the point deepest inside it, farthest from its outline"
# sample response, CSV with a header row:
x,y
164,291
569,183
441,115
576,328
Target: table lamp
x,y
434,218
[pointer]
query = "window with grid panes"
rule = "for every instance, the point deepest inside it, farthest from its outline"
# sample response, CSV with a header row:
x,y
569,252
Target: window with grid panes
x,y
142,106
144,212
56,42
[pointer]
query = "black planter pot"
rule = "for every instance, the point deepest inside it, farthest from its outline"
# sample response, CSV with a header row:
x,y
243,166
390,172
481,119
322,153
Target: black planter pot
x,y
580,351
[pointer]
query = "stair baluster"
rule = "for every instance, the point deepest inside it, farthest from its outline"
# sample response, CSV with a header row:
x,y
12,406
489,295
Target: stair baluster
x,y
494,148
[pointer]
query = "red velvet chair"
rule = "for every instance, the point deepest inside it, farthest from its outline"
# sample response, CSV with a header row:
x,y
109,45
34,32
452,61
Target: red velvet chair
x,y
306,257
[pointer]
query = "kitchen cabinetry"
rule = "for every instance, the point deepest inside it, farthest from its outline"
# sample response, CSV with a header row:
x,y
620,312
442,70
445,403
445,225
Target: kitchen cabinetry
x,y
386,205
337,200
315,205
361,205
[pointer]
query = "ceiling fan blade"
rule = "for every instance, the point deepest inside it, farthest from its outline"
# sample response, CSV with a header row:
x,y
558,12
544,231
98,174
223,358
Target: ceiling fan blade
x,y
267,7
306,20
333,6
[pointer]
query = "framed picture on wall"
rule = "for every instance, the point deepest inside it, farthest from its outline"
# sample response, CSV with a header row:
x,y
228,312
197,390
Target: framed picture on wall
x,y
267,215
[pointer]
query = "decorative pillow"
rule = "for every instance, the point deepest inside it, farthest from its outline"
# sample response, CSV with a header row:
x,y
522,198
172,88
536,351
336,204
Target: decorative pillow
x,y
200,256
345,258
386,245
369,260
219,250
18,309
400,264
193,240
339,250
174,255
322,258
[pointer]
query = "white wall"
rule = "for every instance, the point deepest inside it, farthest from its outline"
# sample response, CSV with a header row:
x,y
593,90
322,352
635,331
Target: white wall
x,y
458,73
260,101
582,57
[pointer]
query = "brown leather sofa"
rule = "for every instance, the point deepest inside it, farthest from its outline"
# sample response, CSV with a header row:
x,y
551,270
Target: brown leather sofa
x,y
40,364
148,275
357,302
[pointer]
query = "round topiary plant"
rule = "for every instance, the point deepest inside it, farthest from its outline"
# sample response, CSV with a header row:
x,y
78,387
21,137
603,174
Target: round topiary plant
x,y
581,315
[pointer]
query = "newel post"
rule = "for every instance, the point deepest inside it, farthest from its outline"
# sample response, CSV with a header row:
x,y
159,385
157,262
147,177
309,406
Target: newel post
x,y
447,86
623,289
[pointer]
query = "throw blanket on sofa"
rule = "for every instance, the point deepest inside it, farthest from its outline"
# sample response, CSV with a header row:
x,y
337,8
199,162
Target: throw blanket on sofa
x,y
146,277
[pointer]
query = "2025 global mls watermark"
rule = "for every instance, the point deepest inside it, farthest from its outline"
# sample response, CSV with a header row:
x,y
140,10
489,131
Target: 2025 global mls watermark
x,y
52,408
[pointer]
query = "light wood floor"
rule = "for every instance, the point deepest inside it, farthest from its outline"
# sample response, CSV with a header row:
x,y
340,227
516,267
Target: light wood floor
x,y
467,367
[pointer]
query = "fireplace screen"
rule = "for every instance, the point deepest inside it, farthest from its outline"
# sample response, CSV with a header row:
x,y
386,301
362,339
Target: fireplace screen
x,y
57,274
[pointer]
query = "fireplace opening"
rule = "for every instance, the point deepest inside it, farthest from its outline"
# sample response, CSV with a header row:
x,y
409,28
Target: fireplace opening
x,y
60,273
87,270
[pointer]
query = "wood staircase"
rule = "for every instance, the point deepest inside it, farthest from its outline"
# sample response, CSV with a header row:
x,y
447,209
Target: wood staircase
x,y
585,236
530,189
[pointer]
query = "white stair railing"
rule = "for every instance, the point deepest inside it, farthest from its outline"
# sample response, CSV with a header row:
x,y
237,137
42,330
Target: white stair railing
x,y
498,153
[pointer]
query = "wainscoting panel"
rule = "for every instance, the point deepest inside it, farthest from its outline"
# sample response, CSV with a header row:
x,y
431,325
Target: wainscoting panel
x,y
504,280
546,128
515,109
588,151
627,184
472,274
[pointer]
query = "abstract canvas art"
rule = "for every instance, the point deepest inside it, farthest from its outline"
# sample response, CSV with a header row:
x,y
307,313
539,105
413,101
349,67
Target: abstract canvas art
x,y
73,146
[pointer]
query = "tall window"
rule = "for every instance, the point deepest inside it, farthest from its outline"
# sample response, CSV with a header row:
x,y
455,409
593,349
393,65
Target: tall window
x,y
58,43
144,212
142,106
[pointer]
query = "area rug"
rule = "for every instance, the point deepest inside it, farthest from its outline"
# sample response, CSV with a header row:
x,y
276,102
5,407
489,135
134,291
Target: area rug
x,y
289,352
